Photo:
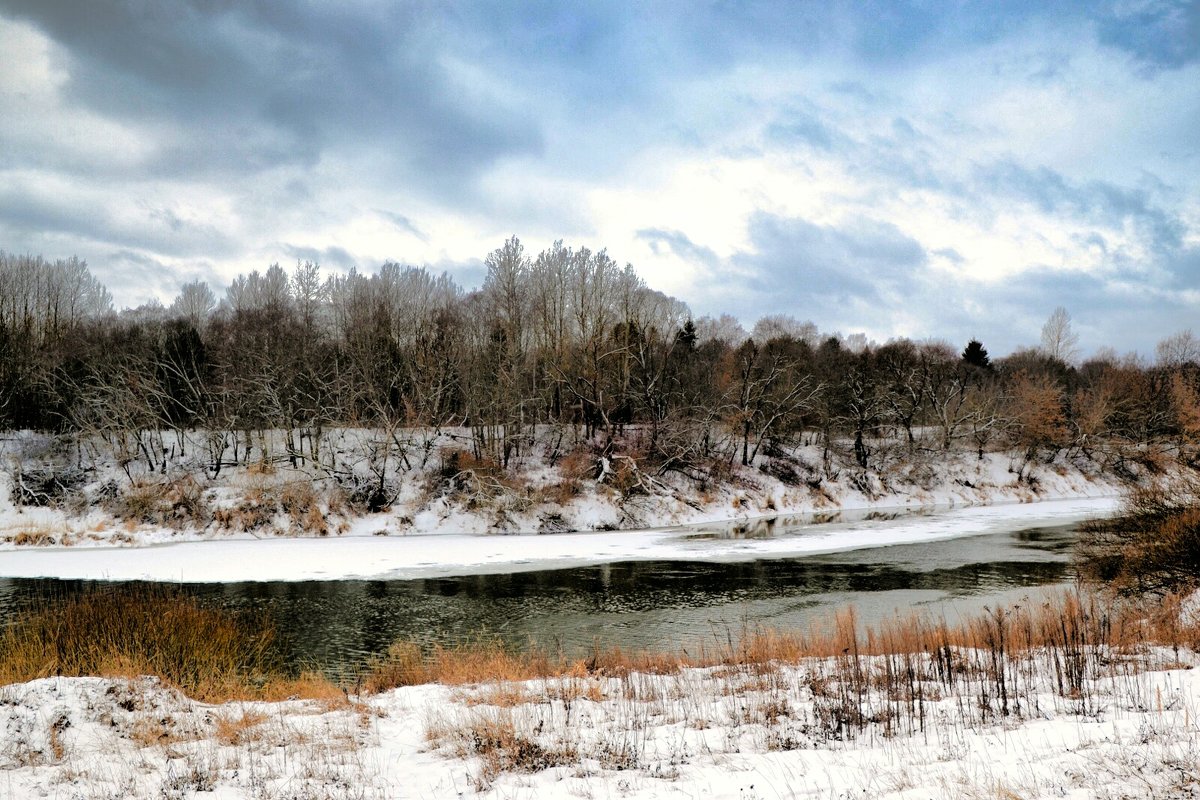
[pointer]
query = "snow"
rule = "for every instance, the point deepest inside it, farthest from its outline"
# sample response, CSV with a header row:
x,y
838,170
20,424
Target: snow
x,y
705,733
437,555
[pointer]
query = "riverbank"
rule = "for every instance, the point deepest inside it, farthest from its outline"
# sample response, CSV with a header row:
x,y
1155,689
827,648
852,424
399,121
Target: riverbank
x,y
49,501
1069,700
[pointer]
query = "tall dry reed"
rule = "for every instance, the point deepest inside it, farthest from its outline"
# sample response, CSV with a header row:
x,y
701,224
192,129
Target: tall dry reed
x,y
209,653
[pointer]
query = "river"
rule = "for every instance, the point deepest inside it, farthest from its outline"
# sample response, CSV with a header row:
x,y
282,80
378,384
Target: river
x,y
336,625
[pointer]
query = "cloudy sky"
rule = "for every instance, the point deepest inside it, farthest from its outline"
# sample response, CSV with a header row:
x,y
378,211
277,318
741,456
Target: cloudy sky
x,y
918,169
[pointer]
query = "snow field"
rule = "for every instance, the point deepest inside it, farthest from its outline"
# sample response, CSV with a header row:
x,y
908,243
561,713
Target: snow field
x,y
832,727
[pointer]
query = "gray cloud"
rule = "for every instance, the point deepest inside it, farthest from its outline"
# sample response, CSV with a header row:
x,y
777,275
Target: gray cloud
x,y
1100,202
133,274
337,257
402,223
253,86
855,276
798,259
1162,33
663,240
803,127
26,208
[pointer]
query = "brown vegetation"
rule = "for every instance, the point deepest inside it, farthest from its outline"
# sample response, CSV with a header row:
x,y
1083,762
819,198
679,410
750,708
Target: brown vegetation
x,y
787,690
175,503
1066,627
32,536
501,744
295,504
210,654
1152,545
858,676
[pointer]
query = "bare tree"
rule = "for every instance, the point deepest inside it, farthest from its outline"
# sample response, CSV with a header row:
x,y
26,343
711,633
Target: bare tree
x,y
1036,406
308,291
194,304
1058,339
1178,349
724,328
768,393
551,305
947,380
775,326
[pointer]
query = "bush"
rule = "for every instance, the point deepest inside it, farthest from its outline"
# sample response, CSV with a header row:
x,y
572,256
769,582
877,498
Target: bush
x,y
46,487
178,503
365,493
210,654
300,502
1152,546
262,506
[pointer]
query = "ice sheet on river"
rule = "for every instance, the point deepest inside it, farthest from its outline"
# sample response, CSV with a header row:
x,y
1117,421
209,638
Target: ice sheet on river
x,y
401,557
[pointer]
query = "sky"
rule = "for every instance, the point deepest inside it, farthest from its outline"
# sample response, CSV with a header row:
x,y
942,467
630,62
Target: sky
x,y
923,169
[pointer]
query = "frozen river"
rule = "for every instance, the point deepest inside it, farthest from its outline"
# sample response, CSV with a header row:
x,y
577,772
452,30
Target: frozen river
x,y
650,589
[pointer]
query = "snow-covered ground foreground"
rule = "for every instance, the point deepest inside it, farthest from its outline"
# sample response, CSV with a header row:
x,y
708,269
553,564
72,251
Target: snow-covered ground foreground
x,y
414,556
736,733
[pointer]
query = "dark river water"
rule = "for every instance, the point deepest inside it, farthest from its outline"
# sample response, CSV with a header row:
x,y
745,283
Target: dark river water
x,y
337,625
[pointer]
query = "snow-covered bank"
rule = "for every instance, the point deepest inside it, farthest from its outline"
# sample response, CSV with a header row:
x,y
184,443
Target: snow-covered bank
x,y
54,494
415,556
274,521
713,733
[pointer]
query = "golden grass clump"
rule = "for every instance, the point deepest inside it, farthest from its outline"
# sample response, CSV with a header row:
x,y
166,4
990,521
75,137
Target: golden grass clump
x,y
265,504
37,536
487,659
501,743
1073,628
210,654
234,730
176,503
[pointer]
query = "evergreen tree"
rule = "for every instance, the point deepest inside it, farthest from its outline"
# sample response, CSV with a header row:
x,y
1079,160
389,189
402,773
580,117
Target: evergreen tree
x,y
977,355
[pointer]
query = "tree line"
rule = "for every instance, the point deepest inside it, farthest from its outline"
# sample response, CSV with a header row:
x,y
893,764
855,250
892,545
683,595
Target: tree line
x,y
564,338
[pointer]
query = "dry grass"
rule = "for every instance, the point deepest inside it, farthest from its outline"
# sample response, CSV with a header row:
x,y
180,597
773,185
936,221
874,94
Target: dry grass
x,y
232,730
855,677
1073,627
501,742
256,510
774,691
408,664
295,503
210,654
175,503
32,536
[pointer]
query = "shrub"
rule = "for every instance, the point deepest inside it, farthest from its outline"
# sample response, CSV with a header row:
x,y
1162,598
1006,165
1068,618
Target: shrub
x,y
32,537
177,503
46,487
261,505
483,659
1152,546
364,493
256,510
210,654
300,502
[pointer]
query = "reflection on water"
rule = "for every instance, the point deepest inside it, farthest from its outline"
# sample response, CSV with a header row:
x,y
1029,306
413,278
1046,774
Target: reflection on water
x,y
338,624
